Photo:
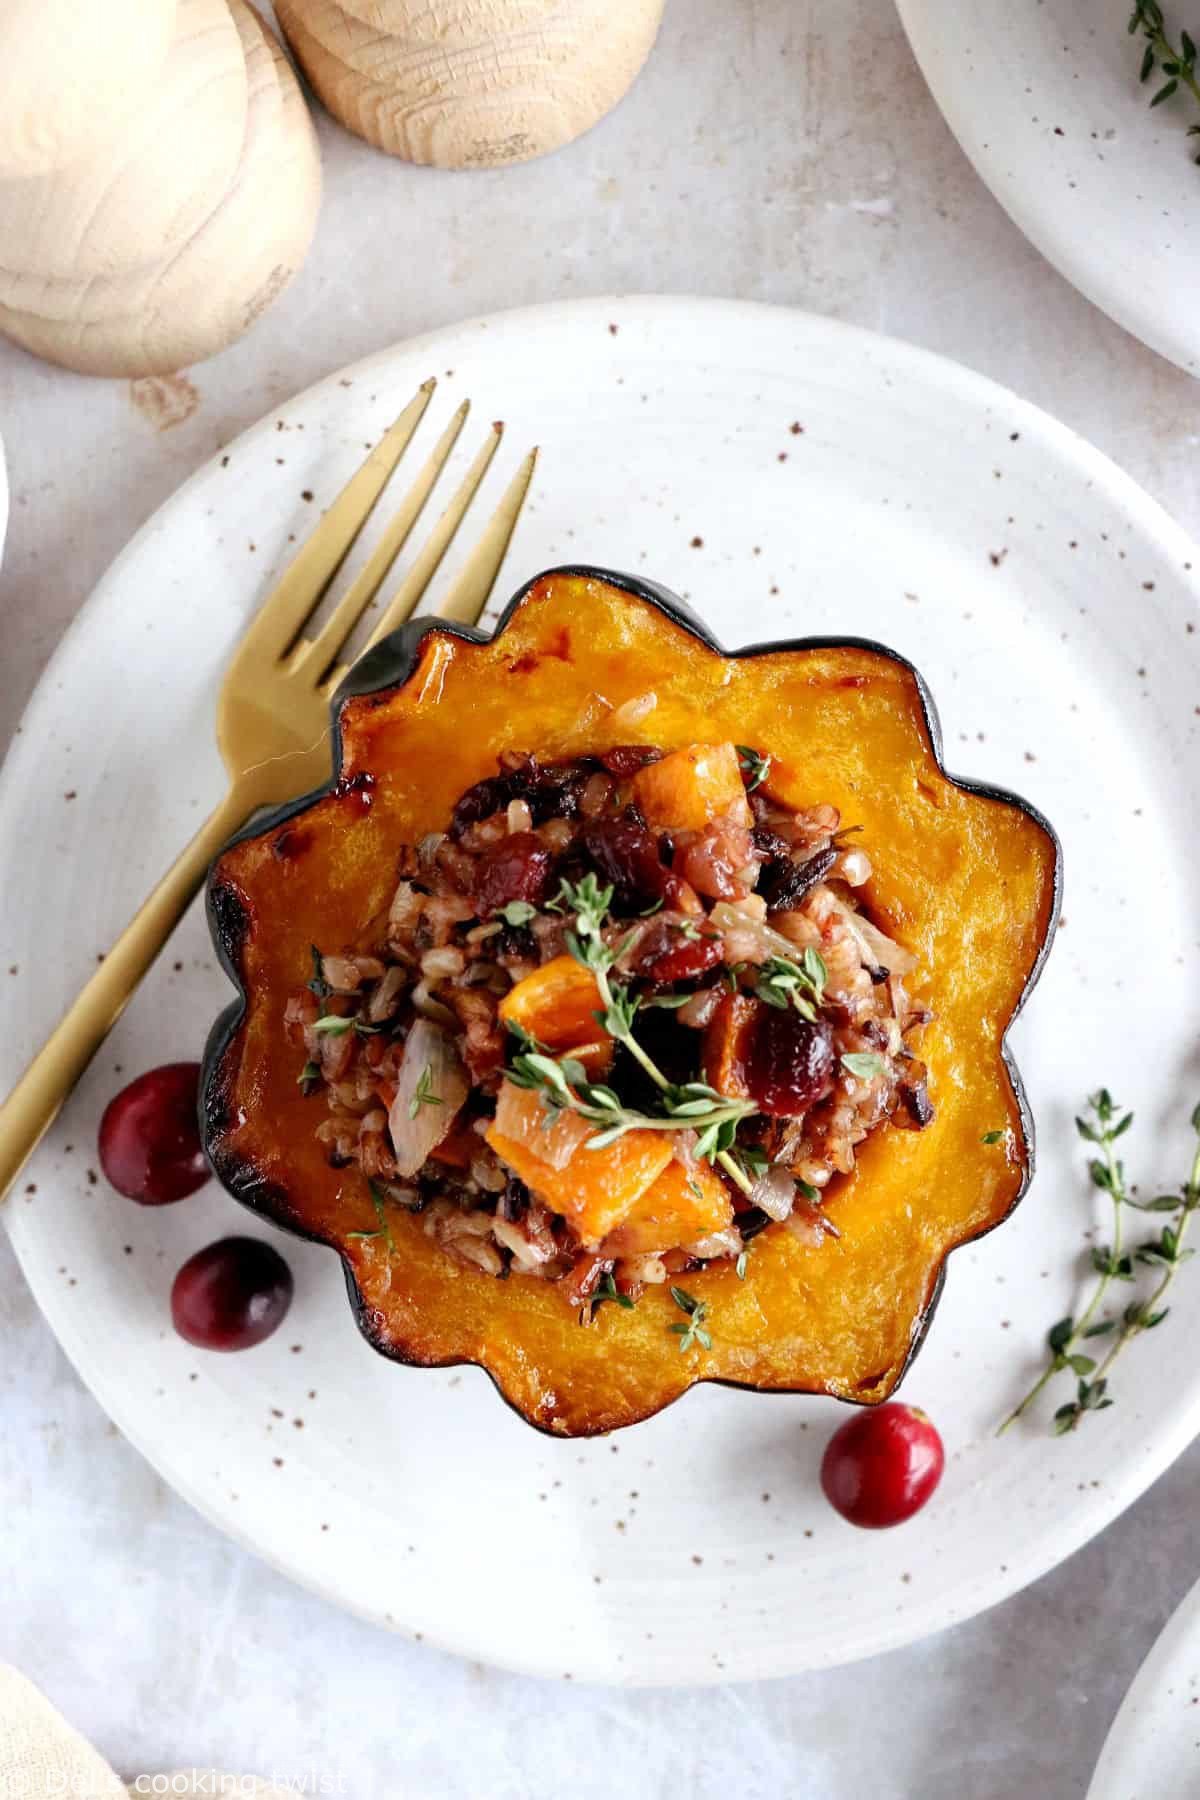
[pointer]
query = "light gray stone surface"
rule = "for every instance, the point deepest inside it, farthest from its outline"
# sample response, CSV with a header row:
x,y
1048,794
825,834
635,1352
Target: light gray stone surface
x,y
779,150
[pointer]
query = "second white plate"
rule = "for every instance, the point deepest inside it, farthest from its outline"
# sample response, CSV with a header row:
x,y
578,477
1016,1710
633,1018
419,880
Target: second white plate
x,y
790,476
1152,1751
1046,103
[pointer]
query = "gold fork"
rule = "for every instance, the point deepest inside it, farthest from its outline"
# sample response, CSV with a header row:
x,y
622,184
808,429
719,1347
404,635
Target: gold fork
x,y
273,721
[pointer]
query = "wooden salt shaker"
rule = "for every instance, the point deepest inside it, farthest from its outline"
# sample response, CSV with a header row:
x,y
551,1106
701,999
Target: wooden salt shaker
x,y
166,242
470,83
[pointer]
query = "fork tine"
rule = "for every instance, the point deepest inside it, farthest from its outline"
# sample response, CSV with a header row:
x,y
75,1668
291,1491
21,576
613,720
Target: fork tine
x,y
425,567
322,652
469,595
316,563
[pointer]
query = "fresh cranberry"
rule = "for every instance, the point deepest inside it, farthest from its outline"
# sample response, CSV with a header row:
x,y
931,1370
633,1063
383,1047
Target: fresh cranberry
x,y
683,959
149,1137
880,1467
231,1295
627,855
790,1066
517,868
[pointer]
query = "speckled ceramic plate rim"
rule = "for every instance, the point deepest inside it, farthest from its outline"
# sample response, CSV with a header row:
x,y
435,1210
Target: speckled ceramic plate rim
x,y
1020,158
1145,1747
918,370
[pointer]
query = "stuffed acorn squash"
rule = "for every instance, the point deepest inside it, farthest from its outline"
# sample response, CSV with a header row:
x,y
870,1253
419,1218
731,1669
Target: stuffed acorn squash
x,y
628,1014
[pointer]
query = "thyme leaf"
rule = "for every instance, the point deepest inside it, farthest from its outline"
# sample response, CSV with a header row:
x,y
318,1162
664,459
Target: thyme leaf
x,y
1174,62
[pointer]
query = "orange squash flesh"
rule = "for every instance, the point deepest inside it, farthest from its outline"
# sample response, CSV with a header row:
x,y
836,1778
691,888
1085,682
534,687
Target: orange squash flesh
x,y
597,1189
557,1005
680,1206
690,788
968,880
727,1044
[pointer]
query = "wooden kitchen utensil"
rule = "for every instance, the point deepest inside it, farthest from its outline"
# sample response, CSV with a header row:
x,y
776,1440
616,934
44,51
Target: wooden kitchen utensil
x,y
470,83
189,244
71,73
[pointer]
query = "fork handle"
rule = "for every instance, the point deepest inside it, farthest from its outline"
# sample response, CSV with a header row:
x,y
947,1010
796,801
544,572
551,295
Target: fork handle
x,y
58,1065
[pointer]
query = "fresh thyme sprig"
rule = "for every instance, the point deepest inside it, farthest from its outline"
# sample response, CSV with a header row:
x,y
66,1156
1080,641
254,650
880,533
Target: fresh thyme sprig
x,y
563,1082
607,1289
1113,1262
694,1105
424,1094
754,765
784,983
383,1229
695,1331
1176,63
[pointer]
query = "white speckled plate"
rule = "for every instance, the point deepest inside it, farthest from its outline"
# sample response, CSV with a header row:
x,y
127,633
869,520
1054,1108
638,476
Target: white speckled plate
x,y
1152,1751
789,475
1045,100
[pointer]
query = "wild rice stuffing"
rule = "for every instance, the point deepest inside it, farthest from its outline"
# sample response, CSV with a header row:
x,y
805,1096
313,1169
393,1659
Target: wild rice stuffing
x,y
625,1013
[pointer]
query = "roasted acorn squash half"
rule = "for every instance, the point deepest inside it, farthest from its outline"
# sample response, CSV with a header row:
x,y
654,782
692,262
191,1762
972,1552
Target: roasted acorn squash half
x,y
965,876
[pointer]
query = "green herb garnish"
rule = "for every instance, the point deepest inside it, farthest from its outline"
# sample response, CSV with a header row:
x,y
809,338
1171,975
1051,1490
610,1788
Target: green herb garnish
x,y
517,912
608,1290
333,1026
782,982
309,1078
425,1094
694,1331
754,765
1177,63
564,1083
383,1230
863,1063
1102,1125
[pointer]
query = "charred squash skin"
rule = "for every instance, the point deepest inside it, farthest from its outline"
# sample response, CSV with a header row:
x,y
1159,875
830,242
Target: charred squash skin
x,y
968,877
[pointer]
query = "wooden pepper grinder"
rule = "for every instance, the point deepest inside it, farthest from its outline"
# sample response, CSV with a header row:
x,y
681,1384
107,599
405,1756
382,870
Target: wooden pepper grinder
x,y
470,83
149,244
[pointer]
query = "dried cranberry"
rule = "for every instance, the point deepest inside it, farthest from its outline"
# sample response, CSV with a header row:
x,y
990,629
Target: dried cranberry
x,y
479,802
517,868
628,856
684,959
626,759
784,884
558,789
791,1062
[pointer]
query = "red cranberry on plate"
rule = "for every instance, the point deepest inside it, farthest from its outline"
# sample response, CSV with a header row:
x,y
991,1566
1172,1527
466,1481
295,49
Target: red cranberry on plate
x,y
231,1295
881,1466
150,1136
